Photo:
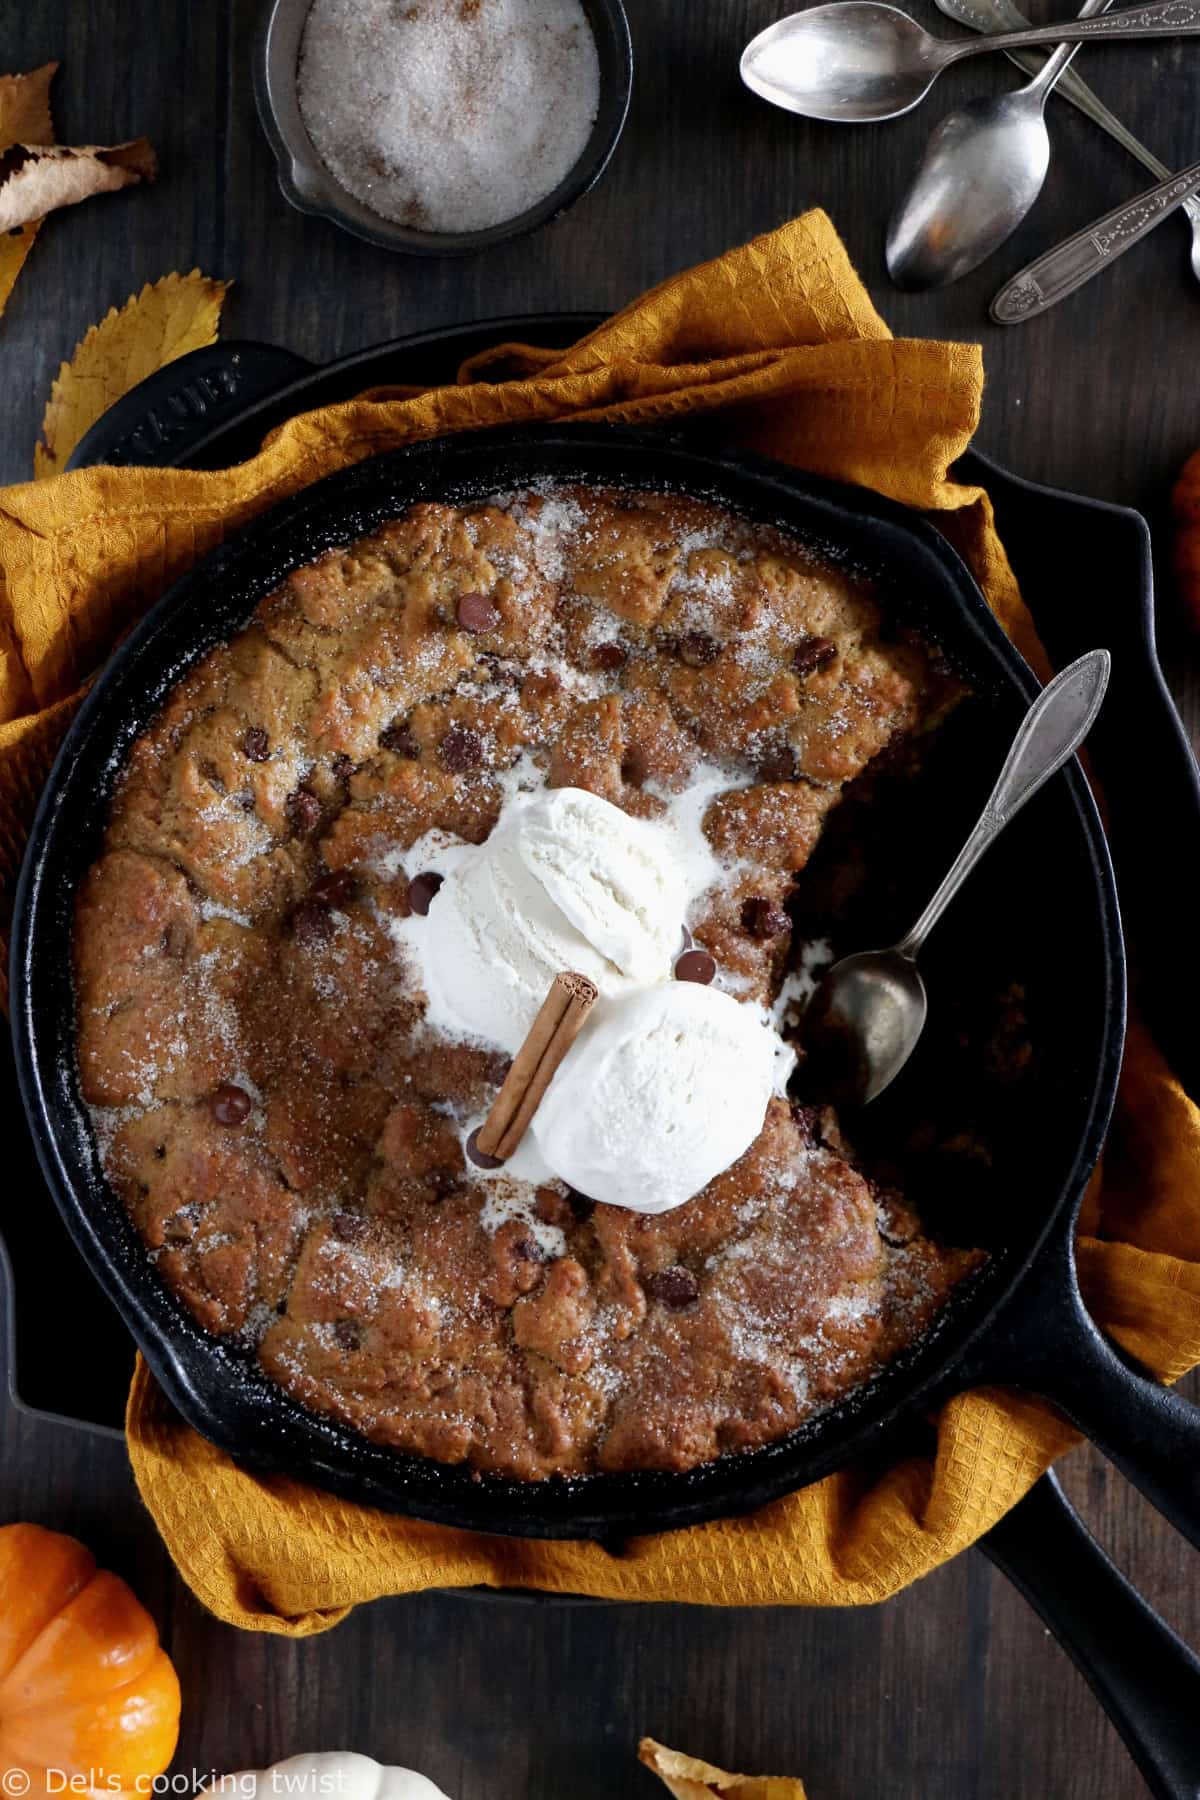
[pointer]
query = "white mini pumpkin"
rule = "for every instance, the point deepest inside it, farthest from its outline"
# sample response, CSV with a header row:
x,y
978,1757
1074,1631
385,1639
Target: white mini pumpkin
x,y
326,1775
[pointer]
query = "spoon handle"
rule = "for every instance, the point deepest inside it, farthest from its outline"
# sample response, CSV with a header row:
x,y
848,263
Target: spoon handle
x,y
1060,271
994,16
1167,18
1051,731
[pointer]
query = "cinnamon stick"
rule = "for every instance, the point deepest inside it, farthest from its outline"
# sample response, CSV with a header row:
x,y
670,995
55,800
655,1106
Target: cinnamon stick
x,y
551,1035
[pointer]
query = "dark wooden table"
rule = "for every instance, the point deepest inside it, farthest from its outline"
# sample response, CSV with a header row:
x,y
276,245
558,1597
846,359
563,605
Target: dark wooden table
x,y
954,1690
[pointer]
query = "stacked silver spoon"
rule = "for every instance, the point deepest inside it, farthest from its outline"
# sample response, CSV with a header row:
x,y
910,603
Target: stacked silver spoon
x,y
986,162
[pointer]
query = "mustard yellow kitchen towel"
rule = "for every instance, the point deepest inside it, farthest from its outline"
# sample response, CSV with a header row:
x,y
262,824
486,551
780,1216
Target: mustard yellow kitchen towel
x,y
779,343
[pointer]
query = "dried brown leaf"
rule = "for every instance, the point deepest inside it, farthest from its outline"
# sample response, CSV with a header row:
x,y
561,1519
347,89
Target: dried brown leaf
x,y
25,107
687,1778
36,179
24,119
166,320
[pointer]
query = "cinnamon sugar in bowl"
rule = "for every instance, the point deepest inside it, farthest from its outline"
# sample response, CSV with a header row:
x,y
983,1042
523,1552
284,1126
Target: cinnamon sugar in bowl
x,y
440,127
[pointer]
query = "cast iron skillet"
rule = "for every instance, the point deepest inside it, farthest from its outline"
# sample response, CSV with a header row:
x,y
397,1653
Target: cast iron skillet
x,y
1020,1321
1085,570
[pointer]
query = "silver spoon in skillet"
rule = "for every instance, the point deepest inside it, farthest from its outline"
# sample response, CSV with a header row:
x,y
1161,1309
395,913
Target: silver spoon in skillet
x,y
859,59
863,1022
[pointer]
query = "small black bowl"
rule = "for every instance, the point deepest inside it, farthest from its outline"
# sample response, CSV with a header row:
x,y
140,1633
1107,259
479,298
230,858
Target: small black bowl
x,y
312,188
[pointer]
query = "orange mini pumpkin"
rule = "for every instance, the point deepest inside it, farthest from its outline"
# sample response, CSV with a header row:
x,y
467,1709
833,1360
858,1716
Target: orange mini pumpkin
x,y
1186,507
86,1691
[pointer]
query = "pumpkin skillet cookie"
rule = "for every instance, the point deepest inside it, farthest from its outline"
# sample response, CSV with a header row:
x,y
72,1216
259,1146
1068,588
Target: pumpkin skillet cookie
x,y
566,729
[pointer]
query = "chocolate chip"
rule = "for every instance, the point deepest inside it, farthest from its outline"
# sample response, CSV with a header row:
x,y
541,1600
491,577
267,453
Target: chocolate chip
x,y
813,653
246,801
349,1334
675,1288
634,768
695,965
479,1157
342,767
230,1105
256,745
762,918
421,890
697,649
303,810
446,1183
476,613
349,1227
609,656
461,749
581,1204
311,923
399,739
337,889
527,1249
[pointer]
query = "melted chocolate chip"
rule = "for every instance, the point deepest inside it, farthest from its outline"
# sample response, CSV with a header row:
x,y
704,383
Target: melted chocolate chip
x,y
349,1227
342,767
813,653
303,810
230,1105
246,801
697,649
778,764
675,1288
480,1157
336,889
421,890
695,965
634,768
762,918
399,739
476,613
582,1205
527,1249
461,749
349,1334
609,656
312,923
256,745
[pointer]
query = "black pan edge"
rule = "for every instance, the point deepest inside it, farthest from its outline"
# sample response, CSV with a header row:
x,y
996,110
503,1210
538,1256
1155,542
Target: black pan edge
x,y
246,1415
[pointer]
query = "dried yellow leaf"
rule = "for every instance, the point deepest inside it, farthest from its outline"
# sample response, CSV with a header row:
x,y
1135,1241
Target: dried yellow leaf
x,y
687,1778
36,179
167,319
24,119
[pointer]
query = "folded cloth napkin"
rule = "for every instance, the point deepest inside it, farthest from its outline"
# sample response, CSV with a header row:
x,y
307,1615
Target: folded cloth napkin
x,y
779,339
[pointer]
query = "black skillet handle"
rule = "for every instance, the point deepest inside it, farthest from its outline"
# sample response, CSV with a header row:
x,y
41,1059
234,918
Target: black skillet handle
x,y
182,402
1045,1340
1145,1677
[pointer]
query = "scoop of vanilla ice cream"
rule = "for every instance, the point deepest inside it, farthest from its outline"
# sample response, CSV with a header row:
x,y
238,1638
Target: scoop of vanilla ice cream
x,y
663,1089
613,877
566,881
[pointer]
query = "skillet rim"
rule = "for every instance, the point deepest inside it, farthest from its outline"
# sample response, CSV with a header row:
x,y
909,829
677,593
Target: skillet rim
x,y
200,1374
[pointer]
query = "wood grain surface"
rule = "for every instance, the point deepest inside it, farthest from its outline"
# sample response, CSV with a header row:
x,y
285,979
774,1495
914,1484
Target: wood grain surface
x,y
954,1691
